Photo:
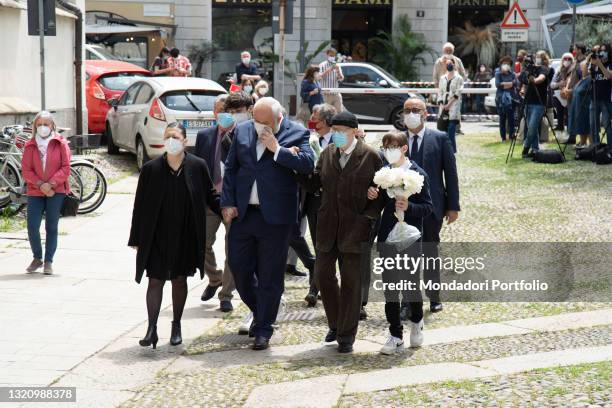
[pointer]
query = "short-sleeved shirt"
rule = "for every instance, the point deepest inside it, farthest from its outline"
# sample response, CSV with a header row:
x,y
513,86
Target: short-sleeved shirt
x,y
242,69
180,63
533,90
602,85
159,63
330,80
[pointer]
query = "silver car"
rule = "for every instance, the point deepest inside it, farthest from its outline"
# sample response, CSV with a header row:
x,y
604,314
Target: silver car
x,y
137,121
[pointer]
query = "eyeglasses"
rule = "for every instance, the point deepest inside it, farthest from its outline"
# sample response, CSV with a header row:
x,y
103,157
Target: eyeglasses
x,y
413,110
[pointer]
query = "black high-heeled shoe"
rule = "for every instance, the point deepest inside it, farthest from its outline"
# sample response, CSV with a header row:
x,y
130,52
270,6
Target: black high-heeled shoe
x,y
175,337
150,338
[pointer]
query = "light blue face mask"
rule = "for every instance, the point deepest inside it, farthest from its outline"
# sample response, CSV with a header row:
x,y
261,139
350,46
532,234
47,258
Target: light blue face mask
x,y
339,139
225,119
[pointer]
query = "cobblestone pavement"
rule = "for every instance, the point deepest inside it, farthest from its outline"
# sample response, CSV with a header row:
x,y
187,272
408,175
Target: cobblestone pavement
x,y
586,385
521,201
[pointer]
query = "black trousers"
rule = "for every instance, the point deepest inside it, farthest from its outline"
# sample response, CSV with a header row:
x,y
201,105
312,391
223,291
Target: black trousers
x,y
298,243
392,298
431,238
257,253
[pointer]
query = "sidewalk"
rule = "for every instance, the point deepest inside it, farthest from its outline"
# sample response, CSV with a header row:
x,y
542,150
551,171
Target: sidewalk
x,y
53,325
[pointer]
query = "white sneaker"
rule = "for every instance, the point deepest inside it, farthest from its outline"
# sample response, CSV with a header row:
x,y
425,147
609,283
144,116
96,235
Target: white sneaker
x,y
392,345
416,334
246,324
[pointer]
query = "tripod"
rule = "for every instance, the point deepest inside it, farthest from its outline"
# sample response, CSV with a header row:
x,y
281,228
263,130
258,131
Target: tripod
x,y
522,116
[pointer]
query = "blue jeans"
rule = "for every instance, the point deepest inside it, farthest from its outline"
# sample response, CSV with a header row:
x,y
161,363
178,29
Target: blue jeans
x,y
506,114
533,116
451,131
51,208
603,108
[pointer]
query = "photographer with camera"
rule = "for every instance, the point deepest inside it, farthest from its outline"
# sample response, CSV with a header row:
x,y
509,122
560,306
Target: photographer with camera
x,y
601,107
534,88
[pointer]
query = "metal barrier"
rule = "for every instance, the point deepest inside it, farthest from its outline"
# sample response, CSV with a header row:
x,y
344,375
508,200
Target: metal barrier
x,y
429,91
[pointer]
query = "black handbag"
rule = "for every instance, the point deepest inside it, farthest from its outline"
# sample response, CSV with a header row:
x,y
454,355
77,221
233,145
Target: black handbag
x,y
70,206
603,154
586,153
550,156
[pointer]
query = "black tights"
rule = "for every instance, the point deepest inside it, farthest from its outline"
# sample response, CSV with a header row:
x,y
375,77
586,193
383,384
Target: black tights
x,y
155,292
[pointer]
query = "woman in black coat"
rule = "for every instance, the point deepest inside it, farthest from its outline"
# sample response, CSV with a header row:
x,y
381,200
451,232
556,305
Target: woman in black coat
x,y
168,226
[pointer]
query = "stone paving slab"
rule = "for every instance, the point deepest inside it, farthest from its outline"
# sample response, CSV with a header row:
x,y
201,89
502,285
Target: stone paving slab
x,y
300,393
445,335
399,377
515,364
319,392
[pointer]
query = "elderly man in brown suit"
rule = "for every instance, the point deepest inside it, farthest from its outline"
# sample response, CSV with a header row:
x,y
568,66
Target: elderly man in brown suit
x,y
346,220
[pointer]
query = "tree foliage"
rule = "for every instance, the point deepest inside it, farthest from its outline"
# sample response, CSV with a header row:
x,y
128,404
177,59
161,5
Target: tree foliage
x,y
402,51
201,53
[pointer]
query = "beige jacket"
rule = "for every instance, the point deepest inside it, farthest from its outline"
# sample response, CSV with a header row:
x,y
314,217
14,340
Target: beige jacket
x,y
440,69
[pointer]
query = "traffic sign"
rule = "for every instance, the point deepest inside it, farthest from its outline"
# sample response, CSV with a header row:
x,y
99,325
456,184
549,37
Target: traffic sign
x,y
515,18
514,35
575,1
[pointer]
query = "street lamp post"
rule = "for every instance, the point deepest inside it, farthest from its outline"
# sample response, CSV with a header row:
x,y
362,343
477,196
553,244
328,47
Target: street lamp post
x,y
41,36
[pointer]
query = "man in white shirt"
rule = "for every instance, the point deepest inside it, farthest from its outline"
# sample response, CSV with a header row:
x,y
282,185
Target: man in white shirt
x,y
260,199
331,74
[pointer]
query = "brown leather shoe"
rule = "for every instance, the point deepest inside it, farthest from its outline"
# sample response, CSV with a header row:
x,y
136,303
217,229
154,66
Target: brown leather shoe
x,y
34,266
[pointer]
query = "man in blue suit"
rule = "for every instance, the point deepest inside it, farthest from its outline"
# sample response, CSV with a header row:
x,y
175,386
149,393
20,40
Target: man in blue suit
x,y
260,198
212,145
432,151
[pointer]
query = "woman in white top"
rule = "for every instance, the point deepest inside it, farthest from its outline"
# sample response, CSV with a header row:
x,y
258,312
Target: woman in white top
x,y
449,100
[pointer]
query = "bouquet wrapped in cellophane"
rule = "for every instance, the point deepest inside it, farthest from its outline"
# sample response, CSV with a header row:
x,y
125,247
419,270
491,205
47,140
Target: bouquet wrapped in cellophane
x,y
400,183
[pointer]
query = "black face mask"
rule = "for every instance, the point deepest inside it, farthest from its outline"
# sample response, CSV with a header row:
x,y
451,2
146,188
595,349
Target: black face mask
x,y
450,67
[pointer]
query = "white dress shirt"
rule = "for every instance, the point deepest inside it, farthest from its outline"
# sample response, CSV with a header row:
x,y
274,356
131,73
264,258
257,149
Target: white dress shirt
x,y
260,148
419,137
325,139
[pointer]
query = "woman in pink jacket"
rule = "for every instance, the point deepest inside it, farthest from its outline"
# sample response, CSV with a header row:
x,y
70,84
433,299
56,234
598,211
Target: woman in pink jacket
x,y
46,168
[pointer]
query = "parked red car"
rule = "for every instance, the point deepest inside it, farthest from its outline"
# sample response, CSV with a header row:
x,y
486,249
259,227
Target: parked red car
x,y
105,80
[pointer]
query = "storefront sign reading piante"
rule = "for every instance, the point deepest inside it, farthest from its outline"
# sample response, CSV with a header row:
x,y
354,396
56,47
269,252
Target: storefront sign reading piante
x,y
478,3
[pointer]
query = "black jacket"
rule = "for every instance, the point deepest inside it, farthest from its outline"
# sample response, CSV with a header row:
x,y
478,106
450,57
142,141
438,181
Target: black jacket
x,y
148,201
206,142
419,207
436,157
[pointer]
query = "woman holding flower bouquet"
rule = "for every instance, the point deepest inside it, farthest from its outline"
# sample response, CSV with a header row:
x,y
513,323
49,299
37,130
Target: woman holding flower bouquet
x,y
411,202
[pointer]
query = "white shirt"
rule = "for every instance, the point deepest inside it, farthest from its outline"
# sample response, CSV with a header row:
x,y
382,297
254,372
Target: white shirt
x,y
419,136
350,148
42,144
260,148
325,140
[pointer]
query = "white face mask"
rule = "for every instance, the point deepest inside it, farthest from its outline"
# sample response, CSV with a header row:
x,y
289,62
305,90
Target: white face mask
x,y
538,61
412,120
260,128
263,90
483,69
43,131
567,64
174,146
505,67
246,61
241,117
331,59
393,155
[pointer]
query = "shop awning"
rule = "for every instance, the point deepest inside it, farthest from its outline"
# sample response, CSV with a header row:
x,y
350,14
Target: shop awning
x,y
119,29
604,11
13,4
12,106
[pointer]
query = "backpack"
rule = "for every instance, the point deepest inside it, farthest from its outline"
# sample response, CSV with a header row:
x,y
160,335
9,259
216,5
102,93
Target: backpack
x,y
603,154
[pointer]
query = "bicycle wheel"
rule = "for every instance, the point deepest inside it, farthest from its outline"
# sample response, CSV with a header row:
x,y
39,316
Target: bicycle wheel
x,y
94,186
10,178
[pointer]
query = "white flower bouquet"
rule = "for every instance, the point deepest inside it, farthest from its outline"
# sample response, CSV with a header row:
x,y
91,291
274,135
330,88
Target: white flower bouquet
x,y
400,183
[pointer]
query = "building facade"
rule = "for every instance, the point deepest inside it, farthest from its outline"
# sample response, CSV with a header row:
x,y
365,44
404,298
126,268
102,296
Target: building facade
x,y
348,25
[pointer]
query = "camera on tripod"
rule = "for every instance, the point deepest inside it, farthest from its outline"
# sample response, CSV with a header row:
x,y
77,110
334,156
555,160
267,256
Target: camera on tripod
x,y
595,54
529,65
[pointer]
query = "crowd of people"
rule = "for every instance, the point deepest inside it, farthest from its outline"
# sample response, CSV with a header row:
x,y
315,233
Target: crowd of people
x,y
265,178
578,93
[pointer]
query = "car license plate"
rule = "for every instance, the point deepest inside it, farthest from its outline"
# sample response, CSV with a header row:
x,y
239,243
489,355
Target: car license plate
x,y
198,124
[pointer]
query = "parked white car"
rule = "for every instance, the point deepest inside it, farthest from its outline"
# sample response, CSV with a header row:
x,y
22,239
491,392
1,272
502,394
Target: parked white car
x,y
137,121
